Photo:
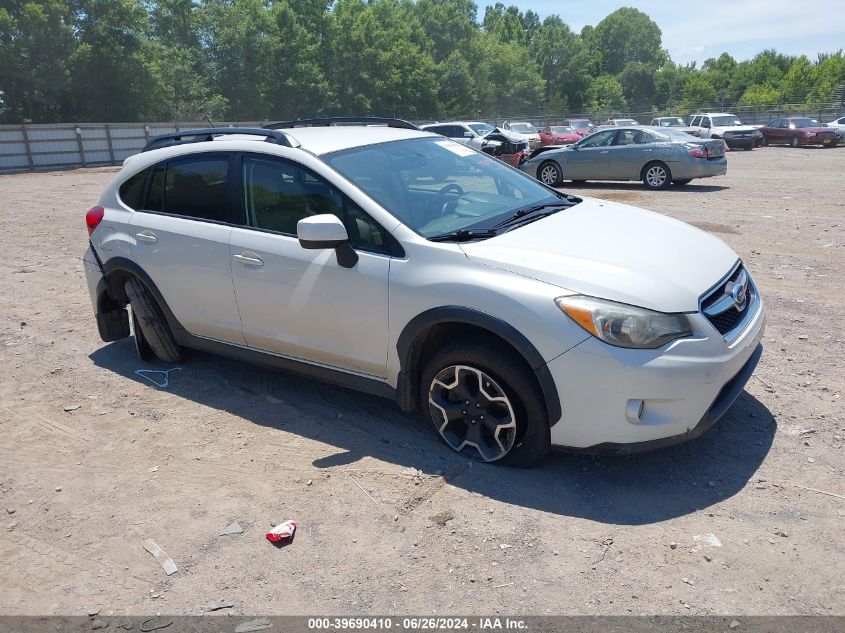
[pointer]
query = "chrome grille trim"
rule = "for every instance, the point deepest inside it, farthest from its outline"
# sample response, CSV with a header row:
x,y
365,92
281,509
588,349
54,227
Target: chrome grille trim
x,y
718,302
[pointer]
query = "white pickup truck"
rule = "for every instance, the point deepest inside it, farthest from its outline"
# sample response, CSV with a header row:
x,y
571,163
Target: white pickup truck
x,y
727,127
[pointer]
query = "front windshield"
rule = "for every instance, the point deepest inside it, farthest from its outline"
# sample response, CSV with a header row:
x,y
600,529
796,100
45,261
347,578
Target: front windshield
x,y
580,124
799,123
626,122
437,186
481,128
673,122
727,120
523,128
561,130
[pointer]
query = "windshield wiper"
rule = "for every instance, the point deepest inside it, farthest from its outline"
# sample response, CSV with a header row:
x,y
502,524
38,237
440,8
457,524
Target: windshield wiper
x,y
521,213
464,235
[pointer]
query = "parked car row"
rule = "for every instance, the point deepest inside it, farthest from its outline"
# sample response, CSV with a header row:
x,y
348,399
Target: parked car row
x,y
669,151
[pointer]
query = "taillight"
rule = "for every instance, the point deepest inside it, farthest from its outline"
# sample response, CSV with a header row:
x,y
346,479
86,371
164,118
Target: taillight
x,y
94,217
699,152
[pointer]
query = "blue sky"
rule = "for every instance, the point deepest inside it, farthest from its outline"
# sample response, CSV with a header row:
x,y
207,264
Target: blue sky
x,y
694,31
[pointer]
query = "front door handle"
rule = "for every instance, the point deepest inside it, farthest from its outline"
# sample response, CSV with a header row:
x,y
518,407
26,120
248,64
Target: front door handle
x,y
248,259
146,236
604,151
646,150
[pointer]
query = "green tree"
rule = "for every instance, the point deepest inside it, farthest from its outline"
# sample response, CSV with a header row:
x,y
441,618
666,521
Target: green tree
x,y
510,83
606,95
37,41
561,58
626,35
637,81
760,96
698,92
376,67
110,66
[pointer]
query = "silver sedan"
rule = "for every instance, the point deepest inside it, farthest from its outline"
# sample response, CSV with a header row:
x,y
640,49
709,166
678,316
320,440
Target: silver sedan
x,y
658,157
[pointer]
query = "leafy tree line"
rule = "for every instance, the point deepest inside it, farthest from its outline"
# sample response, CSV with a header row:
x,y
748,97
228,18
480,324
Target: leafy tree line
x,y
133,60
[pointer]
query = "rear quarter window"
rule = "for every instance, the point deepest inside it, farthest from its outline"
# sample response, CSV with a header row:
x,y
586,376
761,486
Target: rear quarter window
x,y
131,189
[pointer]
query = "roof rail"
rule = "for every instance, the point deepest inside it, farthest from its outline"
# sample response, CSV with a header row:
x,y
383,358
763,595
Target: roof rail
x,y
208,134
343,120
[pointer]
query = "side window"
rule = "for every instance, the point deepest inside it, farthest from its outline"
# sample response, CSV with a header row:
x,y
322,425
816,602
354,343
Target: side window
x,y
155,194
196,187
456,131
278,194
131,189
437,129
696,120
705,121
632,137
602,139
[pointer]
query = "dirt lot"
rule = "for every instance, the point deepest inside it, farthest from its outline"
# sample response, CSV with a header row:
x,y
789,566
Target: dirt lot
x,y
390,521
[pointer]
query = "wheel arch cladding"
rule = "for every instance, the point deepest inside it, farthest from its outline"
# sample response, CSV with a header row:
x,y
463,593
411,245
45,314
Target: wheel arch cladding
x,y
118,269
427,331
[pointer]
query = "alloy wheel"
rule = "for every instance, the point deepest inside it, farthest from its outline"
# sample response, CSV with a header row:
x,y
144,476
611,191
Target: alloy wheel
x,y
549,175
472,413
656,176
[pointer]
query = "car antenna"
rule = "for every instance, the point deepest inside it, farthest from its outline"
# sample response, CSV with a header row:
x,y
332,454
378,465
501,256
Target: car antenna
x,y
210,123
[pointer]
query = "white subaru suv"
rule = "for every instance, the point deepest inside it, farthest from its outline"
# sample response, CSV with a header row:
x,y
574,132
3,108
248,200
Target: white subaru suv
x,y
383,258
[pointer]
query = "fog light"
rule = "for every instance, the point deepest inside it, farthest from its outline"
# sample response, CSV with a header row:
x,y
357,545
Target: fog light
x,y
634,411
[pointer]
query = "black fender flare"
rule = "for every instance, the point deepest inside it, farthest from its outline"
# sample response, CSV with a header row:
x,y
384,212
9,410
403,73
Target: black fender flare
x,y
128,267
407,345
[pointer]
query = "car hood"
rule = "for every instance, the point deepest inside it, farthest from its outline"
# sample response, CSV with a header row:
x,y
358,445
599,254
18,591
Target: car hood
x,y
513,136
615,252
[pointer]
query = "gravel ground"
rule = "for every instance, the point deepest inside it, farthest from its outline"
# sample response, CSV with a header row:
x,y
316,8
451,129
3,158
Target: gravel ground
x,y
94,459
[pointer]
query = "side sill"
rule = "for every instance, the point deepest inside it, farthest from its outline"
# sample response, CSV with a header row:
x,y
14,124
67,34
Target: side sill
x,y
254,357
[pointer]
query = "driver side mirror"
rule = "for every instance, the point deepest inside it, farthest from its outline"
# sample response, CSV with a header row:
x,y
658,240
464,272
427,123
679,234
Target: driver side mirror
x,y
467,134
326,231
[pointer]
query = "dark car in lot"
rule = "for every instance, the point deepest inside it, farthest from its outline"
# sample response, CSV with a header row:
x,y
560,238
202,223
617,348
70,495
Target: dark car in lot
x,y
798,131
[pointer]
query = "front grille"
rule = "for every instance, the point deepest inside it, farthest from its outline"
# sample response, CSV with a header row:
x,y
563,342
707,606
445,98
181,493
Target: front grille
x,y
727,308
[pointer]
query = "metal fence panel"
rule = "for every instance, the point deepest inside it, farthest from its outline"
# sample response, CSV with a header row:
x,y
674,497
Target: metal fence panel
x,y
67,145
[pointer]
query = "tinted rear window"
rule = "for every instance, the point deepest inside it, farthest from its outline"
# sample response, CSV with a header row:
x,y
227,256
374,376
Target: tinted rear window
x,y
130,190
197,188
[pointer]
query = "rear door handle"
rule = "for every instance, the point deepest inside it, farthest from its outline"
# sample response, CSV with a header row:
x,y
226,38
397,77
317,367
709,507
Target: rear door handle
x,y
248,259
604,151
146,236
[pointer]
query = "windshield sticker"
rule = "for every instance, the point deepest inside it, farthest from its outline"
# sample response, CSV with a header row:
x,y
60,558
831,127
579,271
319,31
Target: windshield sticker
x,y
456,148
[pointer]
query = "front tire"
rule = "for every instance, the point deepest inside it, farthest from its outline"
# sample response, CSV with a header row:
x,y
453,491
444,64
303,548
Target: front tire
x,y
549,174
484,404
150,320
656,176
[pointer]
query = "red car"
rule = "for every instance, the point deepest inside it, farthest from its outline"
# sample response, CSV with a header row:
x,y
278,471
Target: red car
x,y
797,131
582,127
558,135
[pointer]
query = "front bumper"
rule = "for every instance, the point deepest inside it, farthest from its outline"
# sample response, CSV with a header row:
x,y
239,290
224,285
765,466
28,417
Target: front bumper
x,y
685,388
747,141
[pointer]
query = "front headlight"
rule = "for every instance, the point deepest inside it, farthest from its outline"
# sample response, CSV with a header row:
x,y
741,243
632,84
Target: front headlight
x,y
622,325
728,134
757,133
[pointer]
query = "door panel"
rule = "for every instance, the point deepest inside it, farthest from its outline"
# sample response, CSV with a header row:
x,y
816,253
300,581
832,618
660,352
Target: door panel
x,y
631,150
185,254
589,163
301,303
